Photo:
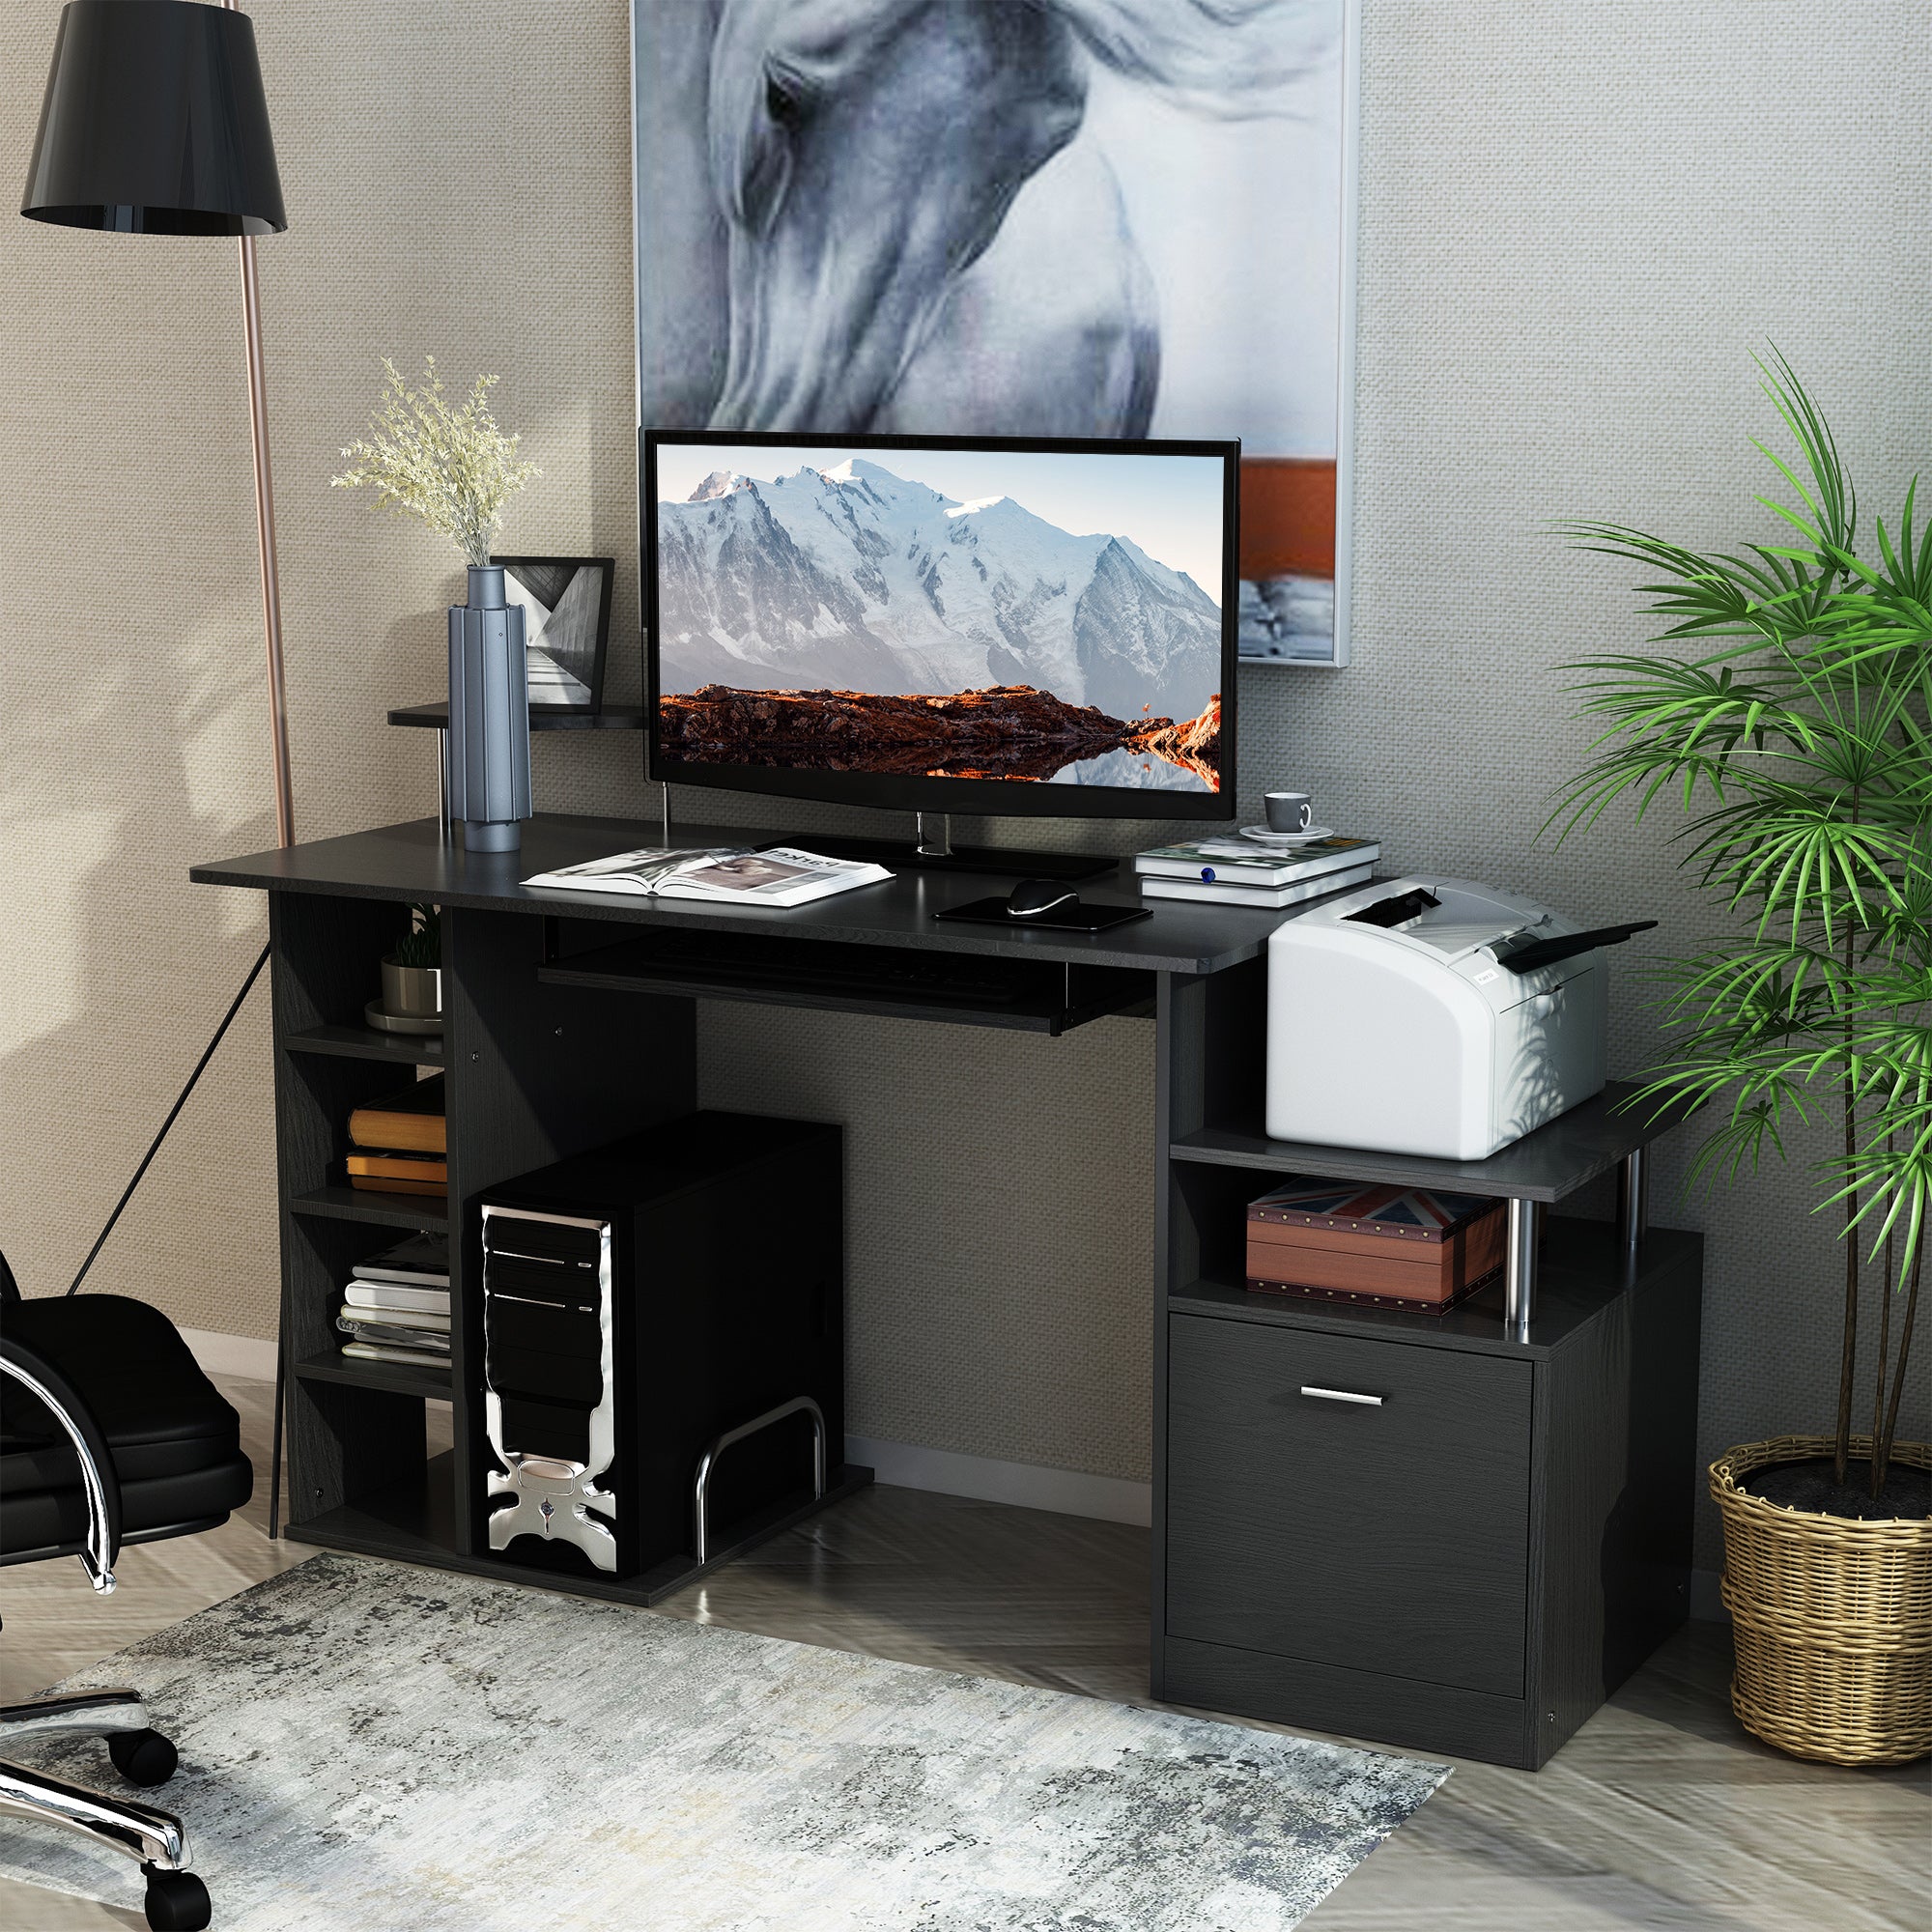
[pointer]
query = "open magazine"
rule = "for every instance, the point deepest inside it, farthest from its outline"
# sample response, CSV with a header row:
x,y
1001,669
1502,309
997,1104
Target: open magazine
x,y
782,876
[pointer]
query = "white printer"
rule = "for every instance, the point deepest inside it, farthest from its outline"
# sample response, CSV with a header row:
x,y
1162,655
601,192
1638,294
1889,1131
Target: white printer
x,y
1432,1016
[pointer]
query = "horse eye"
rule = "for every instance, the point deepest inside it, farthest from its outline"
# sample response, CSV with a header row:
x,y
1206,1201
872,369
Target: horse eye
x,y
782,101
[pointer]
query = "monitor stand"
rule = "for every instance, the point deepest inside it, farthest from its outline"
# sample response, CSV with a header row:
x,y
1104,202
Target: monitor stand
x,y
932,847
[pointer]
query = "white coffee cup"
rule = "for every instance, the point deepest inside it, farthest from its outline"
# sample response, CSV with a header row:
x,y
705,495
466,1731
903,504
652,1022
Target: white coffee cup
x,y
1288,810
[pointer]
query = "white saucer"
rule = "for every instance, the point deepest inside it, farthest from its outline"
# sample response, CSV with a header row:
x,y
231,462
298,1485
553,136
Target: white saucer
x,y
1264,834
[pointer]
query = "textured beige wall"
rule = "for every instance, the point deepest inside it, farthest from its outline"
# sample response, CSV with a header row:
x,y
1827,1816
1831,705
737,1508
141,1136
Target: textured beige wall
x,y
1577,222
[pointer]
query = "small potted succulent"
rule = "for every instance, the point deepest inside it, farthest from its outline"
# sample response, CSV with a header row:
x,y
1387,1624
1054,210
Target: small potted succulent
x,y
413,976
455,468
1789,716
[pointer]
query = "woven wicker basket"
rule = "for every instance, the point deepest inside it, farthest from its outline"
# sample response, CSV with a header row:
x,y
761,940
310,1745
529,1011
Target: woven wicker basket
x,y
1831,1618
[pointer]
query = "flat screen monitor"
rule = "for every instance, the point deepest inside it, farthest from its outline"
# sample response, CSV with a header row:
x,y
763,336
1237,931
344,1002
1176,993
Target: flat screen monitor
x,y
942,624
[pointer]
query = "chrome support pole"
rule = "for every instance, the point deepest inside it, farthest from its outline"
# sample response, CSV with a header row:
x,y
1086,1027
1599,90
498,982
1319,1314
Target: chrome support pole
x,y
1520,1268
1632,1203
708,1461
934,835
443,783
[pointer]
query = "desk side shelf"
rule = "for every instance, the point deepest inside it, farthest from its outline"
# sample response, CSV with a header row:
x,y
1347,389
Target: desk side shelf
x,y
1490,1526
534,1070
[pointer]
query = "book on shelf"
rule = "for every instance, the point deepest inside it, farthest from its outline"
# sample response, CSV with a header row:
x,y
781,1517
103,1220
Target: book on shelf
x,y
420,1262
781,875
381,1351
427,1320
397,1173
1242,862
386,1297
1223,892
409,1120
386,1337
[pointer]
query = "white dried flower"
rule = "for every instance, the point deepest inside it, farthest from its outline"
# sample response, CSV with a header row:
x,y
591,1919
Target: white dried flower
x,y
454,468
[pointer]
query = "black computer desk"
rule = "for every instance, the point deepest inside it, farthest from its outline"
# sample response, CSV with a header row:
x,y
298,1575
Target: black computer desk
x,y
1469,1564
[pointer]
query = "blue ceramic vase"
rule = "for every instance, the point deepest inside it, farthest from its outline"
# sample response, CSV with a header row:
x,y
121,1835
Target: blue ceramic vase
x,y
489,716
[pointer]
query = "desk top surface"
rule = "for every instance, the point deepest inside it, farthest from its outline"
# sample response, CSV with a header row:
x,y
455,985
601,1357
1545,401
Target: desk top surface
x,y
414,860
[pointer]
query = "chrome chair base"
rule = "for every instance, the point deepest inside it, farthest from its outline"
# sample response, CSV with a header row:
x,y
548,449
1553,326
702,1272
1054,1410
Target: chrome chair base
x,y
152,1837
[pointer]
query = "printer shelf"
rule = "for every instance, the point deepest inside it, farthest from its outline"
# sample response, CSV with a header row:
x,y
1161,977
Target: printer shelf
x,y
1552,1162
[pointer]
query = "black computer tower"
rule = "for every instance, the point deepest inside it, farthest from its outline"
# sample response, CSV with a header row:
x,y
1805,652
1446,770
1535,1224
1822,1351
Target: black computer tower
x,y
641,1304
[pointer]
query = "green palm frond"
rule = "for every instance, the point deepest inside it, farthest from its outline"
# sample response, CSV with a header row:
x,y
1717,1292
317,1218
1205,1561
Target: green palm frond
x,y
1787,716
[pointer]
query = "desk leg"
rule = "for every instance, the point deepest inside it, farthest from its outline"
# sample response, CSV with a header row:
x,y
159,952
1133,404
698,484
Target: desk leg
x,y
1632,1203
442,782
1520,1268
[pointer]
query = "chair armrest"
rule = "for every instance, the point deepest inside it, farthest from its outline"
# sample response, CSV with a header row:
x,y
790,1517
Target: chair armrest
x,y
99,1482
10,1289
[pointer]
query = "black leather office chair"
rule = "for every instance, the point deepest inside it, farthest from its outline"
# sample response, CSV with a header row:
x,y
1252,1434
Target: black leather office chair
x,y
109,1434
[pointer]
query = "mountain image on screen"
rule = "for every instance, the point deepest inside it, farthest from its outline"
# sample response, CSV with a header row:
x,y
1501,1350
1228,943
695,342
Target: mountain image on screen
x,y
851,619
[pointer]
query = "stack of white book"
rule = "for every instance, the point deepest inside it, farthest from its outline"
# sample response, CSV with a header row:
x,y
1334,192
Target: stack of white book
x,y
1241,871
396,1307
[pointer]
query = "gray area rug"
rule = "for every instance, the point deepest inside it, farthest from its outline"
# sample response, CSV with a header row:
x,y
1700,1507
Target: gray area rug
x,y
370,1745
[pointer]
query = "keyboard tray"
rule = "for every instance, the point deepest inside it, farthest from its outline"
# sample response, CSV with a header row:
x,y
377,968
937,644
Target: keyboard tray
x,y
774,969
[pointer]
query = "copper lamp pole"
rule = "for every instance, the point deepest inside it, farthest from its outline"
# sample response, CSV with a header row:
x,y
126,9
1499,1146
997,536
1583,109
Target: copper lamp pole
x,y
265,532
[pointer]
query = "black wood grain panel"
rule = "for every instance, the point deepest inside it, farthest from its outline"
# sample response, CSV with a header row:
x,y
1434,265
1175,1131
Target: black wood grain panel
x,y
346,1443
1398,1711
327,960
1617,1454
824,976
1556,1160
1390,1539
412,862
1235,1045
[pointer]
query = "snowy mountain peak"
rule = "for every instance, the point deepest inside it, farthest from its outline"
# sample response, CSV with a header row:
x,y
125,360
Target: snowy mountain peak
x,y
719,483
856,578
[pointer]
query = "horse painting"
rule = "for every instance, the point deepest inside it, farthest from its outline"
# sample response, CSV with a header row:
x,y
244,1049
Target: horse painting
x,y
914,238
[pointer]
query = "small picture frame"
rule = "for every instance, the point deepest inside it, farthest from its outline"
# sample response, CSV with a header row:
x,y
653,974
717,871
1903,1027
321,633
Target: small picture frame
x,y
566,604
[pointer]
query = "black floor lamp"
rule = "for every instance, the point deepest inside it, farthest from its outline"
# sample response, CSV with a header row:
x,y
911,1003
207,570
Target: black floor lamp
x,y
155,122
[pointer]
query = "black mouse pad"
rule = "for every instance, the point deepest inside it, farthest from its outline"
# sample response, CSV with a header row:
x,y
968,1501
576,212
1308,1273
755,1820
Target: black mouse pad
x,y
1076,916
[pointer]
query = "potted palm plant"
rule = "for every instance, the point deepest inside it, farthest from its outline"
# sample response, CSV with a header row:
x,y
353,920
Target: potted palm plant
x,y
1789,717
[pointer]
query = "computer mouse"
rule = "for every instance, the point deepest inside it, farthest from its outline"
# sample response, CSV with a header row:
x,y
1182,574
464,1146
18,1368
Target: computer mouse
x,y
1033,896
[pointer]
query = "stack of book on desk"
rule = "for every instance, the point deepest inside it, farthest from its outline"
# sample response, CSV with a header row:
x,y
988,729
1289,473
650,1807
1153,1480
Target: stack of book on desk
x,y
1239,872
396,1305
401,1142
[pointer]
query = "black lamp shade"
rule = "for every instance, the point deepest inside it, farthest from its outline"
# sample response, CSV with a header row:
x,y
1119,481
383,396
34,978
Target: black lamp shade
x,y
155,122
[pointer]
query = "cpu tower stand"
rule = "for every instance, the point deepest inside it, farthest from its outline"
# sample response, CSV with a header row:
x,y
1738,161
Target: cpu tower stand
x,y
663,1344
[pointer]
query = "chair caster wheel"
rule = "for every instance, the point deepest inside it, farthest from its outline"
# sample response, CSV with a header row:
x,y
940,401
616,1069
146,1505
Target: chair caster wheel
x,y
177,1901
142,1757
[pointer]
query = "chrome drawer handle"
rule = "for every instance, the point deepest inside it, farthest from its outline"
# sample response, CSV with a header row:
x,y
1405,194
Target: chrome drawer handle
x,y
1342,1395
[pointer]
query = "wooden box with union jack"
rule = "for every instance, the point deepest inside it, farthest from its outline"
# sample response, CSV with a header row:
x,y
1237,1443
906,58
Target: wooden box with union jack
x,y
1392,1246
